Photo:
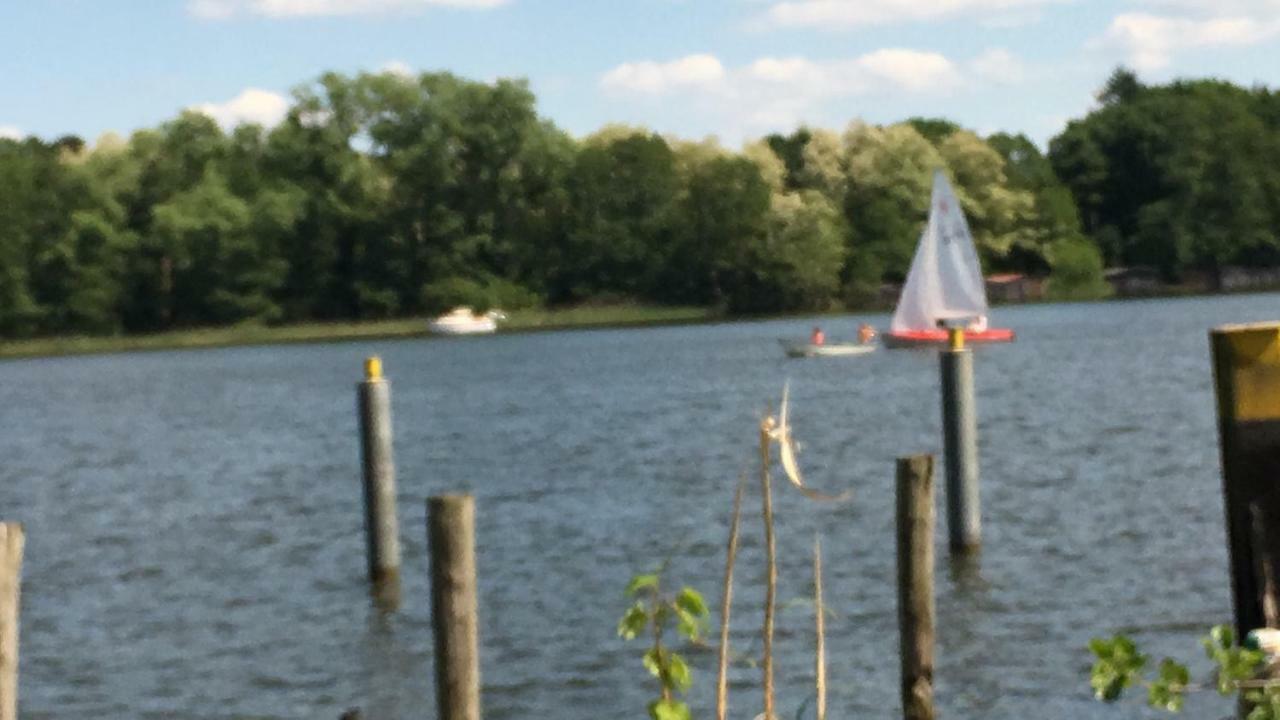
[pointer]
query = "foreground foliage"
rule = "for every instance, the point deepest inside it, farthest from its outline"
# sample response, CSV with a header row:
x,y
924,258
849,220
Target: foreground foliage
x,y
1119,665
651,614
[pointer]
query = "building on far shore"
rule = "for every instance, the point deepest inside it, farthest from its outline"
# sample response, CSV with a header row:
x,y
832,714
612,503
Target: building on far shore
x,y
1014,288
1131,281
1235,279
1001,288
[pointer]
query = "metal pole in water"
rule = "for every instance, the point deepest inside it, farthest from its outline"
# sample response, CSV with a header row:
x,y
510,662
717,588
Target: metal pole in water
x,y
382,530
1246,364
915,517
451,523
11,543
960,442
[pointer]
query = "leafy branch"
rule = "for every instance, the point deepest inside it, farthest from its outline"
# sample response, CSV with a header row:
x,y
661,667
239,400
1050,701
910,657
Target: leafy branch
x,y
1119,665
652,612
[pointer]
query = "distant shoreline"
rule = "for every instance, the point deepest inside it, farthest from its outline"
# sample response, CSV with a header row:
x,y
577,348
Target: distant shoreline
x,y
317,332
577,318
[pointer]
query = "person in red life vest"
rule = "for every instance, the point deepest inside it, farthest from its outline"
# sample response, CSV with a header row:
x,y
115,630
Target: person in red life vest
x,y
866,333
817,338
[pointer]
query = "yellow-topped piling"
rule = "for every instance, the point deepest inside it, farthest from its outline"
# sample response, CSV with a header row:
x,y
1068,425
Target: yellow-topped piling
x,y
955,338
1252,359
373,368
1246,363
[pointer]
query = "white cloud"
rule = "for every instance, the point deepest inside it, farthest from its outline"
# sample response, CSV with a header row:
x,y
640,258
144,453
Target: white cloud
x,y
648,77
1149,42
1254,8
10,132
999,66
251,106
836,14
224,9
910,70
777,92
397,67
778,78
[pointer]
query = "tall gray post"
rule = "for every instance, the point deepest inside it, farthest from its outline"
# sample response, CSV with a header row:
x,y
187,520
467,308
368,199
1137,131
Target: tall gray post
x,y
451,527
382,530
11,542
960,442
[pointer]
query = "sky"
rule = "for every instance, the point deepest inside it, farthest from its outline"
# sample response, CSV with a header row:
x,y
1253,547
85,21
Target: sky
x,y
734,69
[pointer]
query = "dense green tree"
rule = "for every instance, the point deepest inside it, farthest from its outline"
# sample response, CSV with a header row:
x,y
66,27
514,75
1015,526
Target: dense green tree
x,y
1077,270
936,130
791,150
890,176
624,209
797,263
224,268
721,219
1054,216
1179,177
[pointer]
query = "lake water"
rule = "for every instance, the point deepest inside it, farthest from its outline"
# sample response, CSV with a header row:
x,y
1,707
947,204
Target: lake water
x,y
195,540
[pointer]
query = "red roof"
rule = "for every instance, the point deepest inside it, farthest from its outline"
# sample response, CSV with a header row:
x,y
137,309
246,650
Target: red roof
x,y
1005,278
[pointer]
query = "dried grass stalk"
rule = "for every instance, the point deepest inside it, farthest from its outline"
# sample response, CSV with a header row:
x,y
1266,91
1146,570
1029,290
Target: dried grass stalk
x,y
771,561
726,603
819,612
787,455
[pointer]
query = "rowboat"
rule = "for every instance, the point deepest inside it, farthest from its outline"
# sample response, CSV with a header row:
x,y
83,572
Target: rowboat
x,y
804,349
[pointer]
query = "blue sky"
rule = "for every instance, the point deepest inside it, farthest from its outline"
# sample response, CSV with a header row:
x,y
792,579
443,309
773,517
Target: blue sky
x,y
736,69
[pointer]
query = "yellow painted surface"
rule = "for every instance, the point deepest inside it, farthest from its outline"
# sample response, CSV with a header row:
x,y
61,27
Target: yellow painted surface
x,y
956,337
1255,370
373,368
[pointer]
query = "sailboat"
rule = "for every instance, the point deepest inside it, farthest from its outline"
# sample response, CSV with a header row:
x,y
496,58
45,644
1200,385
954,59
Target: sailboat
x,y
944,285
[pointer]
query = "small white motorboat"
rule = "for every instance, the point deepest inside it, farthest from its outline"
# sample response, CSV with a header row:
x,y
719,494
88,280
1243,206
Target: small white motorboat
x,y
797,349
463,321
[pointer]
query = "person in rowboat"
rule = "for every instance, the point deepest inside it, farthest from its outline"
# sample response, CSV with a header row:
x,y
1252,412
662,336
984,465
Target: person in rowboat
x,y
866,333
817,337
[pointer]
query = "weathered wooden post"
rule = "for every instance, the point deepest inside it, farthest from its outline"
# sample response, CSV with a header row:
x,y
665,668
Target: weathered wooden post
x,y
960,442
382,530
451,539
1246,363
11,543
915,584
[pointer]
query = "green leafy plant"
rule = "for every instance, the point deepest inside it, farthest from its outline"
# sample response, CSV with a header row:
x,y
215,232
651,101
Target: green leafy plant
x,y
651,613
1119,665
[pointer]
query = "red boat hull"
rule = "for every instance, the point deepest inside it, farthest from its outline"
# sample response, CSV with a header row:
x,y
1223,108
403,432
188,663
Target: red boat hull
x,y
931,338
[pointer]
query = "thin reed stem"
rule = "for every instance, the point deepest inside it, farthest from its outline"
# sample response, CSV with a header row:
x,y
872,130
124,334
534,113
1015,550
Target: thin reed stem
x,y
819,612
726,603
771,560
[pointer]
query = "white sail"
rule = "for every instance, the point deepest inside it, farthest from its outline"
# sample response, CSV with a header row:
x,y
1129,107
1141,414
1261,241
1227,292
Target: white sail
x,y
945,280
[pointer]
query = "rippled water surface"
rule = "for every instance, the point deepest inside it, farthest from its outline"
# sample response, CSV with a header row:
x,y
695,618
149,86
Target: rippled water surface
x,y
195,545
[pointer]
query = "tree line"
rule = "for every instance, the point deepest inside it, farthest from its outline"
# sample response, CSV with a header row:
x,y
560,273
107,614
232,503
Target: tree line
x,y
381,195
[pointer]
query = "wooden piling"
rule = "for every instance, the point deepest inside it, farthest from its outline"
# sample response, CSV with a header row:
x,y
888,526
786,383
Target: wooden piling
x,y
11,544
771,567
1246,362
915,522
960,440
451,540
382,529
